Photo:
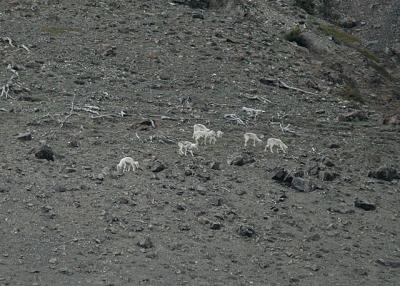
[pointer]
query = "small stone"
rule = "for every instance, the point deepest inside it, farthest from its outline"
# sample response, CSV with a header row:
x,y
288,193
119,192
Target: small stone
x,y
201,190
385,173
197,15
341,210
392,120
358,203
181,207
100,177
328,176
298,184
65,271
215,225
145,243
188,172
215,165
53,260
157,167
59,189
70,170
122,201
184,227
203,220
216,202
282,198
314,170
247,231
241,192
281,175
314,237
334,146
302,185
388,263
46,209
354,115
347,22
240,159
73,144
328,162
26,136
45,152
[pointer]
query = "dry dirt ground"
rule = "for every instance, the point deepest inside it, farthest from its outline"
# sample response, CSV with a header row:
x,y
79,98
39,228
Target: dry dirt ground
x,y
75,67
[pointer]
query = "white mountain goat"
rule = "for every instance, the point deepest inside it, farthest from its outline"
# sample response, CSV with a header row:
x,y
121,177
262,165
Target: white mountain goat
x,y
201,131
186,146
251,136
126,164
271,142
199,127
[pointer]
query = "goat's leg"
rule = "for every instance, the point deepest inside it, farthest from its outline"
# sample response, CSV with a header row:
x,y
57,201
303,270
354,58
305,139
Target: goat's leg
x,y
191,152
245,142
270,147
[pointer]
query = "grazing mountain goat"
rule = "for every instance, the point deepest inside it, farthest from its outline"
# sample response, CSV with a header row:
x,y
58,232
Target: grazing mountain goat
x,y
252,136
186,146
199,127
271,142
207,134
126,164
200,131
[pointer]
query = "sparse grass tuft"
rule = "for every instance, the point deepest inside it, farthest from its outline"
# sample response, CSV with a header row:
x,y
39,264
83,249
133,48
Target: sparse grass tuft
x,y
294,35
351,92
340,35
56,31
379,68
369,55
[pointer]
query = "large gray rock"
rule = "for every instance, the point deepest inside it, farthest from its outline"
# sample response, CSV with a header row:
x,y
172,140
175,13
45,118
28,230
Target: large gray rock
x,y
385,173
315,43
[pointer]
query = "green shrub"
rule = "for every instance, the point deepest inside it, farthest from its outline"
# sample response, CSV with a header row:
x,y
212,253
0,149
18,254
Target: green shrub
x,y
294,35
339,35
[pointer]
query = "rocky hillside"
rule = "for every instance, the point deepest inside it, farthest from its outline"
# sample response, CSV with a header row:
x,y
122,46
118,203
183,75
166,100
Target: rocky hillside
x,y
86,83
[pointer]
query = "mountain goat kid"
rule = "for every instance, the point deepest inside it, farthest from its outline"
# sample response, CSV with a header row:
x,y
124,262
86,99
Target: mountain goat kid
x,y
186,146
251,136
201,131
271,142
126,164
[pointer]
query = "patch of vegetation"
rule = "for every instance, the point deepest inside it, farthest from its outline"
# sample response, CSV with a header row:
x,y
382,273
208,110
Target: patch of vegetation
x,y
354,42
379,68
374,62
339,35
351,92
56,31
306,5
294,35
369,55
